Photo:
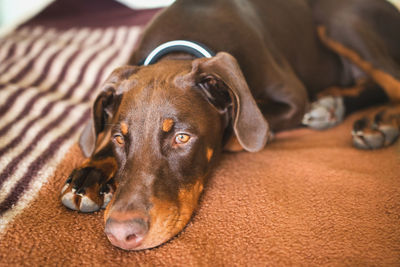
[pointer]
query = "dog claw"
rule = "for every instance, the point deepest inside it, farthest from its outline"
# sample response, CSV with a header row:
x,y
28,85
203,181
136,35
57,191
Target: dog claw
x,y
391,133
68,200
373,140
107,199
77,200
383,132
325,113
87,205
87,190
69,180
64,188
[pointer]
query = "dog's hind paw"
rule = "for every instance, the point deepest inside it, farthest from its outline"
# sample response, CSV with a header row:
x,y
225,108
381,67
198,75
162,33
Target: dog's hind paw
x,y
381,132
87,190
325,113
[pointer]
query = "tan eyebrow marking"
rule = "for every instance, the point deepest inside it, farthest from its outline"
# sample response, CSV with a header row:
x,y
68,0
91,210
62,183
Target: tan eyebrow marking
x,y
124,128
210,152
167,125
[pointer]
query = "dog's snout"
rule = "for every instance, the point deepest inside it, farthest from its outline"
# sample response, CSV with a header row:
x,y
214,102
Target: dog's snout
x,y
127,232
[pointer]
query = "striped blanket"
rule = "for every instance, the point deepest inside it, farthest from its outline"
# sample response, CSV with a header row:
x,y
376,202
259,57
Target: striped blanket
x,y
48,78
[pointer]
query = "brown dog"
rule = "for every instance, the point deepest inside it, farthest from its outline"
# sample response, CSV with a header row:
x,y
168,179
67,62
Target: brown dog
x,y
158,129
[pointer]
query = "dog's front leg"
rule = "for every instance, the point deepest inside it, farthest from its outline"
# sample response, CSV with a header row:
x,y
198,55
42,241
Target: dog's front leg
x,y
90,186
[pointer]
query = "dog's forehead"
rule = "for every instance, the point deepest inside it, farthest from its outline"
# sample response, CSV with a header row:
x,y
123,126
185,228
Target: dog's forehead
x,y
158,92
162,78
164,71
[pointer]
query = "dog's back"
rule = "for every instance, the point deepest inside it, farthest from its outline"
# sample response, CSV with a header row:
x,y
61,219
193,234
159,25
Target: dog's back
x,y
252,31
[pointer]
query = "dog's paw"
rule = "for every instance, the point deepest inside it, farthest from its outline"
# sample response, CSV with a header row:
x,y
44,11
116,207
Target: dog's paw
x,y
381,132
325,113
87,190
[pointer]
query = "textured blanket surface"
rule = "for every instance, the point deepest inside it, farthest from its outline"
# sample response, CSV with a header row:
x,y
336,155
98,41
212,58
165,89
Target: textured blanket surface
x,y
308,198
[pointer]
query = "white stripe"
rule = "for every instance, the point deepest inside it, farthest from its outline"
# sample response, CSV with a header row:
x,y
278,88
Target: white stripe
x,y
17,127
28,94
20,104
75,69
58,65
59,62
28,36
94,37
97,63
22,62
38,106
192,45
8,90
59,45
41,62
21,43
37,46
30,194
39,149
125,54
49,168
121,58
5,47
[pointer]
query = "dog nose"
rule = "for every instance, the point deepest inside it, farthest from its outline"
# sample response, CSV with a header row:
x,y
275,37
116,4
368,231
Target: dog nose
x,y
126,232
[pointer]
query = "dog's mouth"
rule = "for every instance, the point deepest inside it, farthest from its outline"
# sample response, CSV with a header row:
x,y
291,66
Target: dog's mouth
x,y
132,230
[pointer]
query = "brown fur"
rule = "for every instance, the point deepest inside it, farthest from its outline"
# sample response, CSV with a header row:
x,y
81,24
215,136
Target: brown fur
x,y
262,78
390,84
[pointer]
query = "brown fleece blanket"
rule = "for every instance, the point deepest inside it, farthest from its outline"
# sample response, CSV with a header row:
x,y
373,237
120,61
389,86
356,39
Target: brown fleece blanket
x,y
309,198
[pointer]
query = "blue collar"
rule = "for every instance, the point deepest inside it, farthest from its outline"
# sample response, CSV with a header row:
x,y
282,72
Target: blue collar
x,y
196,49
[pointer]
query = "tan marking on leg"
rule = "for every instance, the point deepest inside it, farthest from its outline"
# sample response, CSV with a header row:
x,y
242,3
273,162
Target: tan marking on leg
x,y
353,91
210,153
102,140
386,81
391,116
167,125
233,145
108,208
107,165
124,128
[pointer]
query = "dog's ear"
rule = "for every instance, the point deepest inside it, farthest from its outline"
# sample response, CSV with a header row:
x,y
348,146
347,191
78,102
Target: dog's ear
x,y
221,78
87,141
104,108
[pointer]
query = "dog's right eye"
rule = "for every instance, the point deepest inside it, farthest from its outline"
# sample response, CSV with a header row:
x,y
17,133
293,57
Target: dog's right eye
x,y
119,139
181,138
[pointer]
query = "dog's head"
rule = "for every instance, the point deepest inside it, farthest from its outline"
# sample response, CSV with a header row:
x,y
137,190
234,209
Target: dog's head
x,y
166,124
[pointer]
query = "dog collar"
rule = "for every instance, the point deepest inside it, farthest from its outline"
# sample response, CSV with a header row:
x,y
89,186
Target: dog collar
x,y
196,49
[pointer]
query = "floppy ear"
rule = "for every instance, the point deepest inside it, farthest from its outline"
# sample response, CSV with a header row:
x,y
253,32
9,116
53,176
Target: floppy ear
x,y
87,141
104,108
249,125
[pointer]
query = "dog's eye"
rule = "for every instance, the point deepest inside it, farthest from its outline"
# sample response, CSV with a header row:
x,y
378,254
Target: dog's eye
x,y
181,138
119,139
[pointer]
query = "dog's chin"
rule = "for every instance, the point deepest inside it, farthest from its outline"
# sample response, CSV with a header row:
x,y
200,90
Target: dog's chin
x,y
161,231
167,219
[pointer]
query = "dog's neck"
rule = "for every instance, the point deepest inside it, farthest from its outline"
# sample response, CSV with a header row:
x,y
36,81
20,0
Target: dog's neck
x,y
178,49
178,56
